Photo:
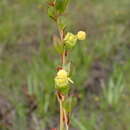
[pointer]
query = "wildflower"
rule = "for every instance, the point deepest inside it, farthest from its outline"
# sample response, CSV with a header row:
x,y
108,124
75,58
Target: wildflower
x,y
62,79
81,35
70,40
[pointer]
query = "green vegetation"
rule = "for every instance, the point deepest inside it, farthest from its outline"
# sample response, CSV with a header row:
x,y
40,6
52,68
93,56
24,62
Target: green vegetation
x,y
101,65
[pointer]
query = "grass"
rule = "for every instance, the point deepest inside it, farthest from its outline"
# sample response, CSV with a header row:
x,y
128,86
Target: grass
x,y
28,60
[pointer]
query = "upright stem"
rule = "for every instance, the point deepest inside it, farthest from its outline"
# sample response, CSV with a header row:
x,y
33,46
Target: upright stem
x,y
61,116
66,120
61,111
63,57
62,38
61,105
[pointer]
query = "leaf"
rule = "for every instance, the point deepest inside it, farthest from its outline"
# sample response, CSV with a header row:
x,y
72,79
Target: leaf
x,y
64,90
52,12
69,103
66,3
61,5
62,23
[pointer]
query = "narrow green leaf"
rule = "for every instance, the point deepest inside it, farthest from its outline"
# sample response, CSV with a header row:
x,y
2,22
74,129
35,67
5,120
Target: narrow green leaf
x,y
52,12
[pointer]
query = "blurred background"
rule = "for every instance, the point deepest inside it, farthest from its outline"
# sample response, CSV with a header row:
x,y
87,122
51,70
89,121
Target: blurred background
x,y
101,65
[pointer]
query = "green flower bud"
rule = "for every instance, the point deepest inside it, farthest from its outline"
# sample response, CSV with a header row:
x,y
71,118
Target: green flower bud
x,y
70,40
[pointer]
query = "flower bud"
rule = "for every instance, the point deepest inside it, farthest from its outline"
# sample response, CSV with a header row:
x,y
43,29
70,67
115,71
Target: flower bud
x,y
70,40
81,35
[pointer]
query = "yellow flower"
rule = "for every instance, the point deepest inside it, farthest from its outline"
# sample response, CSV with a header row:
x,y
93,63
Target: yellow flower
x,y
61,82
62,73
70,40
81,35
62,79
